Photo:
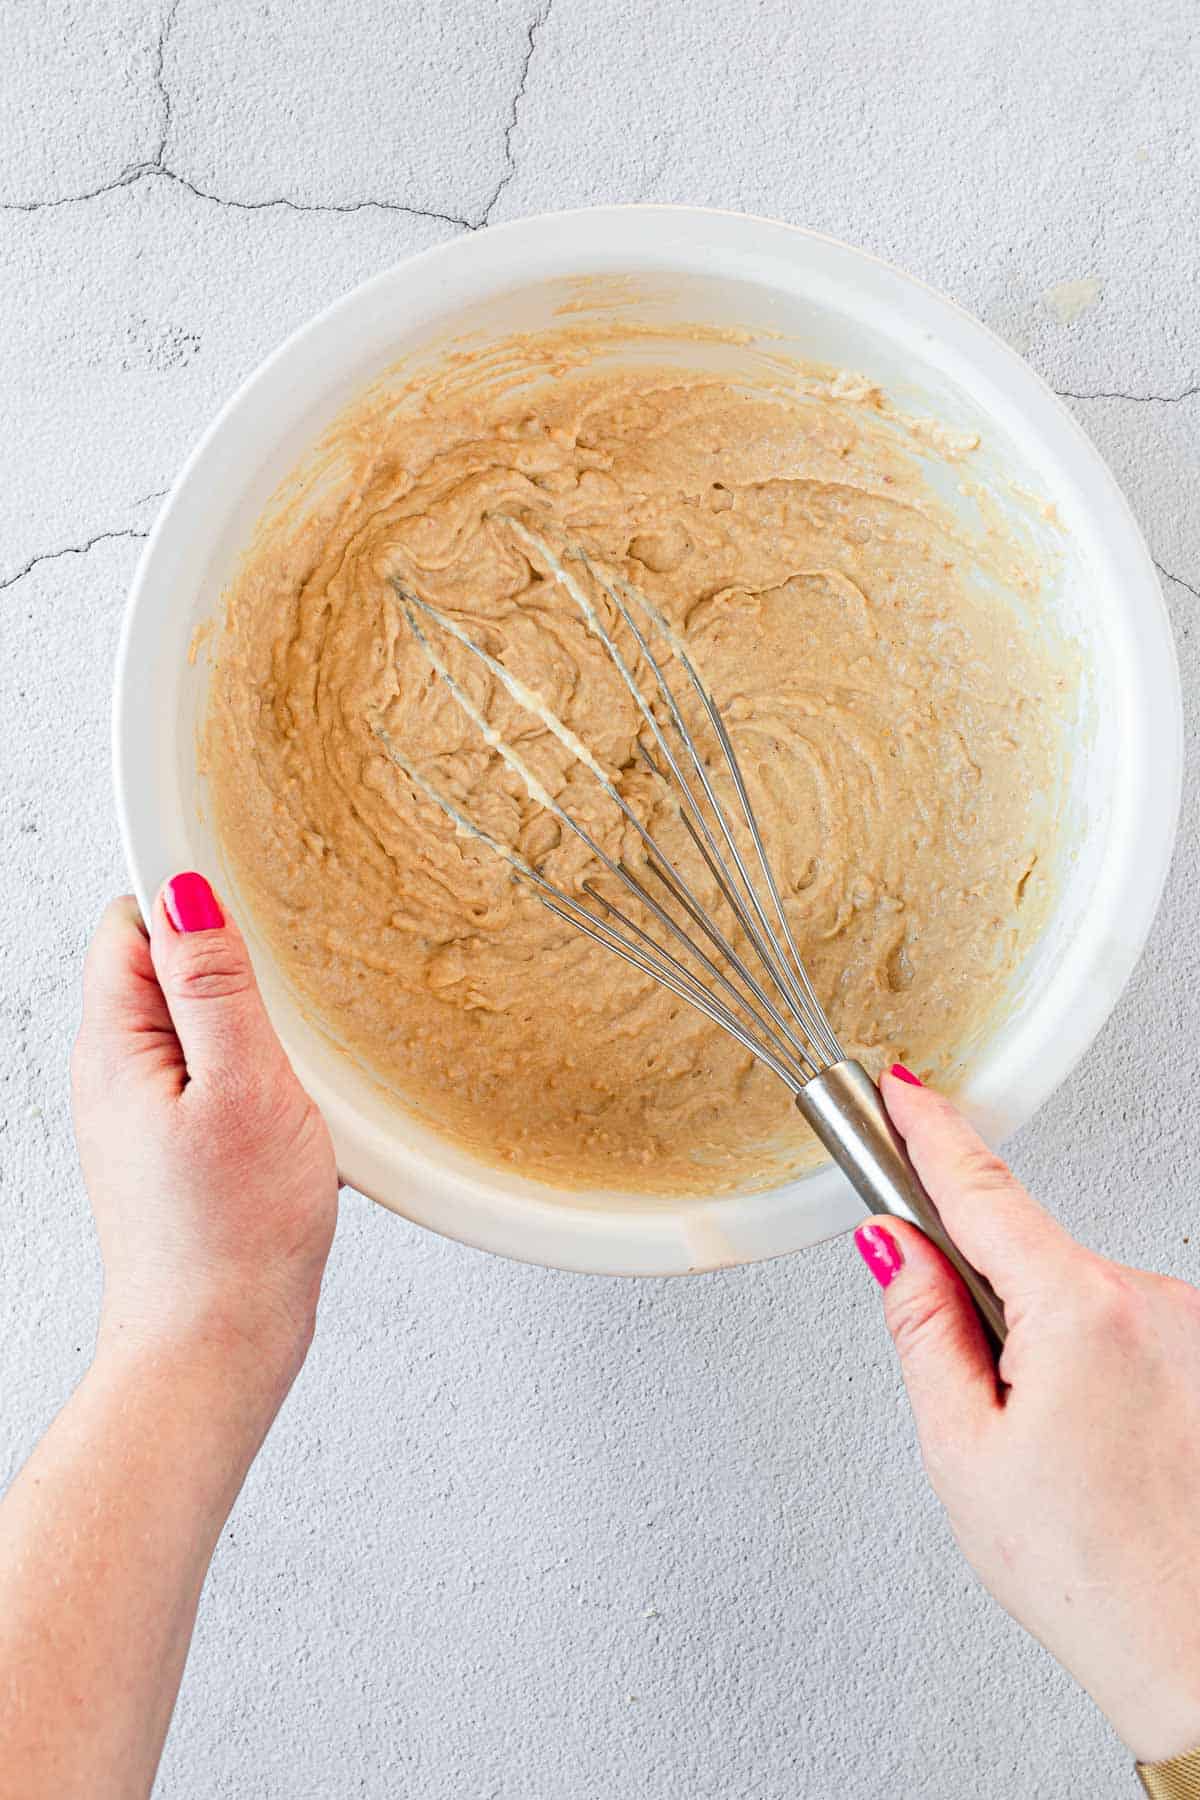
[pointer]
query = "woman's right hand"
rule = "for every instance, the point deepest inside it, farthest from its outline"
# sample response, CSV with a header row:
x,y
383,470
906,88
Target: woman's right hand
x,y
1072,1482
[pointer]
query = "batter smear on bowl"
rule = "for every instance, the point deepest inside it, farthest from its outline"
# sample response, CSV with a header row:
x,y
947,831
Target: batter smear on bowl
x,y
896,701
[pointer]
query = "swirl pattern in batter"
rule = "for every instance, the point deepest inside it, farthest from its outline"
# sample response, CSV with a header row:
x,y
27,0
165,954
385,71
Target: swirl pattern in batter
x,y
899,717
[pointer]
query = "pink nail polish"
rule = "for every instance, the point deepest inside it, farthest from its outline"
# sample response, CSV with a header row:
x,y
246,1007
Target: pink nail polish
x,y
190,904
880,1251
903,1074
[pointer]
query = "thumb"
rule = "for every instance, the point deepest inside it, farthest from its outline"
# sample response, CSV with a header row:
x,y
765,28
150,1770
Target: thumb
x,y
204,971
997,1225
945,1358
125,1020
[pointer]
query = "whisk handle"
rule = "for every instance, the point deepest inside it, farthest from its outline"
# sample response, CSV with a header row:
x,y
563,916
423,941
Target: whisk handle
x,y
846,1110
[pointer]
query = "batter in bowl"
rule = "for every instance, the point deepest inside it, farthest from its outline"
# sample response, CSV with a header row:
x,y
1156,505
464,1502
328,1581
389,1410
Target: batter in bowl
x,y
895,702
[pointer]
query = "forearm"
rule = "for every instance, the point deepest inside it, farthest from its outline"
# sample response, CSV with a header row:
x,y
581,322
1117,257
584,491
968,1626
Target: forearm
x,y
105,1540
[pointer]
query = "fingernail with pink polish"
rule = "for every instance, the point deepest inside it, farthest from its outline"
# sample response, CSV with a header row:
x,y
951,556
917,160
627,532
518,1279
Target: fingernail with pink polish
x,y
880,1251
903,1074
191,905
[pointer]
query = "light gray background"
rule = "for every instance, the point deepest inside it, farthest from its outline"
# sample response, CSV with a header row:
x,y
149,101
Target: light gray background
x,y
519,1534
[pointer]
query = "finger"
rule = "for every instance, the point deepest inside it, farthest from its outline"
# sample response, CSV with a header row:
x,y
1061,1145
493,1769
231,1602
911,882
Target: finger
x,y
124,1012
945,1357
997,1225
204,969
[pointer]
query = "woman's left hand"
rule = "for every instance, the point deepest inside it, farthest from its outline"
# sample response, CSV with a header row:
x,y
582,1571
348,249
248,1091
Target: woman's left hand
x,y
209,1168
215,1193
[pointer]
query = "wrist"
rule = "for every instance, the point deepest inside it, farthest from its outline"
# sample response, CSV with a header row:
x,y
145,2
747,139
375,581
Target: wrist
x,y
1160,1739
1166,1723
176,1420
239,1359
198,1403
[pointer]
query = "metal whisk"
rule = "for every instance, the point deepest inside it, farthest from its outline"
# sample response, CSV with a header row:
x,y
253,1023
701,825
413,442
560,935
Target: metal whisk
x,y
755,988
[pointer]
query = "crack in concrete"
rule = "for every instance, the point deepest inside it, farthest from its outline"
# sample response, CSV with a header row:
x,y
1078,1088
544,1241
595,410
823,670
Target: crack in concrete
x,y
507,173
163,92
125,179
157,165
100,537
1187,393
148,170
1177,579
314,206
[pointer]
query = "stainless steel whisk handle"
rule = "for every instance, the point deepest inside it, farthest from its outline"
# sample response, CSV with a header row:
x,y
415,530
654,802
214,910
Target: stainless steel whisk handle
x,y
846,1110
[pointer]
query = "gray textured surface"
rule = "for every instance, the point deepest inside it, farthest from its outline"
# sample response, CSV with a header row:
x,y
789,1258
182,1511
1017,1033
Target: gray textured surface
x,y
518,1534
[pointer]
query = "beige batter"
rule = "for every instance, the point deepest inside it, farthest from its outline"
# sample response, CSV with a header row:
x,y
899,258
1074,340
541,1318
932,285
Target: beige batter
x,y
898,716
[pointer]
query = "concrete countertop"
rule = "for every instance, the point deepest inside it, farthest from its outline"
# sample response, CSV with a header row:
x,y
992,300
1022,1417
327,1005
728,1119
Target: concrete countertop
x,y
517,1534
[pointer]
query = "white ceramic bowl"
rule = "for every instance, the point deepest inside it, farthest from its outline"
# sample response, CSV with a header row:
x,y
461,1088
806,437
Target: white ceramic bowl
x,y
842,307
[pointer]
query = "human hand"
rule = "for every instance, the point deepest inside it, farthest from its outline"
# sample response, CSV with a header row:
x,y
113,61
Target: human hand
x,y
210,1171
1072,1483
215,1193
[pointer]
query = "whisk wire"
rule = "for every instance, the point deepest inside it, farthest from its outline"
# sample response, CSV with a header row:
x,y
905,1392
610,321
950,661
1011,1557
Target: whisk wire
x,y
809,1006
654,960
799,991
720,875
754,922
695,991
594,625
648,956
683,898
704,840
537,792
787,975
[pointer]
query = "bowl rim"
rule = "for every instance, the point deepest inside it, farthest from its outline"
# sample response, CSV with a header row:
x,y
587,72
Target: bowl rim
x,y
590,1239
